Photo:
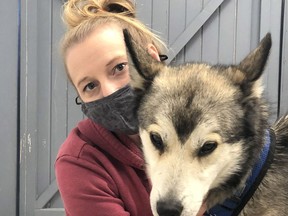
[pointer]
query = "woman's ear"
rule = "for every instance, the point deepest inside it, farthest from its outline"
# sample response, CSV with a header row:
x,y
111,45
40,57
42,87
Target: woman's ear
x,y
153,52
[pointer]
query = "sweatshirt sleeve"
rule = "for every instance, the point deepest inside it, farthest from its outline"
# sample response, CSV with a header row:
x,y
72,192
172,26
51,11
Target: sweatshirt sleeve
x,y
87,189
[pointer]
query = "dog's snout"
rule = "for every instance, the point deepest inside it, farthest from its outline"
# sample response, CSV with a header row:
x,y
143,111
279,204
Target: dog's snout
x,y
169,208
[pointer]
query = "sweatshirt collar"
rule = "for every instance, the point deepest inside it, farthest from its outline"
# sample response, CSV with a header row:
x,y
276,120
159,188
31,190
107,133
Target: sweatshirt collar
x,y
121,147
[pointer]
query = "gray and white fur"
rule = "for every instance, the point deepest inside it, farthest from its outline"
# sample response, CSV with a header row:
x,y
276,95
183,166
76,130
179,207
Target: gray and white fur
x,y
203,127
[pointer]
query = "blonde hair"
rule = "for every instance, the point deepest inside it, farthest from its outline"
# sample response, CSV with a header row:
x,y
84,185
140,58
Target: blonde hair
x,y
83,16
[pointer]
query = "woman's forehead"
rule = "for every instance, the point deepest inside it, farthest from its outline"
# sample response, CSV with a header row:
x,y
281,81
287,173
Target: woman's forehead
x,y
97,50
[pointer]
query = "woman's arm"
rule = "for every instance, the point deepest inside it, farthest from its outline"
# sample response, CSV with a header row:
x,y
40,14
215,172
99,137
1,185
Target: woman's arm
x,y
86,190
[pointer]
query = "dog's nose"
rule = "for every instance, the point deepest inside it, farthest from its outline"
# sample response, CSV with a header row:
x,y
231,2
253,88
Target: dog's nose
x,y
169,208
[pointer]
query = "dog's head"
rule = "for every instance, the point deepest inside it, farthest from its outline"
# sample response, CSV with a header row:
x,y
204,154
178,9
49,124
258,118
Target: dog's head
x,y
202,126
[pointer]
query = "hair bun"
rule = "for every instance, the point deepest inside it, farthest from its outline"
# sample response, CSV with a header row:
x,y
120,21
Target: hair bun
x,y
124,7
115,8
76,11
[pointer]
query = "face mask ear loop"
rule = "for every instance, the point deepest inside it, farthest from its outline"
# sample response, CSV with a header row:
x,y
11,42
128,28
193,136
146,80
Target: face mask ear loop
x,y
163,57
78,100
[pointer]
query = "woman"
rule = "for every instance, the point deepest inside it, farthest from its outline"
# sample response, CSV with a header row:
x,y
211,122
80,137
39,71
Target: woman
x,y
100,167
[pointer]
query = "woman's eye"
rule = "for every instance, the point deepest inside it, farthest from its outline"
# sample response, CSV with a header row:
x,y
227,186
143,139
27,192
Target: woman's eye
x,y
120,67
89,87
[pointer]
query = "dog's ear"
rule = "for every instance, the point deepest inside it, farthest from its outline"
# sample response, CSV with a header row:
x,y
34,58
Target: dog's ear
x,y
253,65
142,66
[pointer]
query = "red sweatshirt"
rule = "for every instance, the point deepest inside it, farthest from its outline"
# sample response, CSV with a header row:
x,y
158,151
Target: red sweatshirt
x,y
100,174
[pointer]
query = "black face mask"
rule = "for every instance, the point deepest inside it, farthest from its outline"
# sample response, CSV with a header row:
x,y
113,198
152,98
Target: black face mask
x,y
116,112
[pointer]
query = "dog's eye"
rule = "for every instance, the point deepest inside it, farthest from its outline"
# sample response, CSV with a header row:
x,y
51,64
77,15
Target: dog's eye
x,y
157,141
207,148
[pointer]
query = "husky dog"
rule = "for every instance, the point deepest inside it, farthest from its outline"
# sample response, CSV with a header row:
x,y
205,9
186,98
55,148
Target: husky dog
x,y
206,137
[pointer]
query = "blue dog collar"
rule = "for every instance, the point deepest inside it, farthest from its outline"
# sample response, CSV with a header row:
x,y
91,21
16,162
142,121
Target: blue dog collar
x,y
233,206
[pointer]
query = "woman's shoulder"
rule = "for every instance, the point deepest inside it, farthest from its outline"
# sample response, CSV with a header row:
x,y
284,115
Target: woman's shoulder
x,y
84,141
72,145
75,141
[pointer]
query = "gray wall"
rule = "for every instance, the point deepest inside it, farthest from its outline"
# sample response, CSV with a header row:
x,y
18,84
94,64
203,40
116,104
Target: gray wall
x,y
283,85
36,119
8,105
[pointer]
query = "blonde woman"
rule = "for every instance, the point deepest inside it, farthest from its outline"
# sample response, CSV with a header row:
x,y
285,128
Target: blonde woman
x,y
100,168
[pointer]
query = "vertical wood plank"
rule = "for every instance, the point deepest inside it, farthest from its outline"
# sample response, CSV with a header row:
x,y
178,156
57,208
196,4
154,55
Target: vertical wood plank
x,y
271,22
43,94
283,105
177,24
160,19
227,32
9,106
194,47
243,29
144,11
255,23
28,104
59,100
211,37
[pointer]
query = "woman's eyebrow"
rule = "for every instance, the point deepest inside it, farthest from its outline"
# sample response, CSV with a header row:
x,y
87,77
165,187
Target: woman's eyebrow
x,y
115,59
82,80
